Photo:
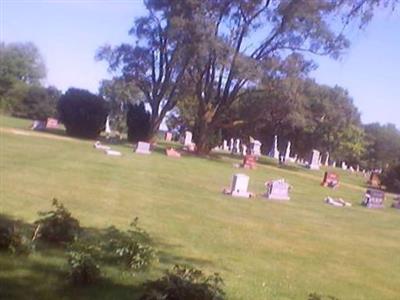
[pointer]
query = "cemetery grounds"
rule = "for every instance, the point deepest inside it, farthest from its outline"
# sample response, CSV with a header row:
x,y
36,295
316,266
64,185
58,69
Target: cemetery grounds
x,y
262,249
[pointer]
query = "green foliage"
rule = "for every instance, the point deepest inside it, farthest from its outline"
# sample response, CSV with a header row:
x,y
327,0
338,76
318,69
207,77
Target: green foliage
x,y
83,113
83,268
131,247
391,178
57,226
384,145
182,283
11,238
21,66
138,121
315,296
38,103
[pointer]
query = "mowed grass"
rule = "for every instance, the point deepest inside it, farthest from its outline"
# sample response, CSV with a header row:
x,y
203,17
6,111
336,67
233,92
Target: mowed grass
x,y
263,249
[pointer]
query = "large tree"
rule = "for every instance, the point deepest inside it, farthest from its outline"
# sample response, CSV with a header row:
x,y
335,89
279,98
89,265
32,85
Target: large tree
x,y
156,63
237,41
21,66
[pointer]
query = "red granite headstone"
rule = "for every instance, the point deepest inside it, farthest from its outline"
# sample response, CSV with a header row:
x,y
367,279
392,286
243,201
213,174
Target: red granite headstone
x,y
330,180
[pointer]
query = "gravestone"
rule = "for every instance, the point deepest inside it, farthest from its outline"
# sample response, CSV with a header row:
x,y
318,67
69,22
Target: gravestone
x,y
330,180
168,136
344,166
112,152
244,150
188,139
274,151
52,123
374,180
172,153
373,198
334,164
225,146
108,127
231,145
314,161
396,203
240,183
277,190
249,162
143,148
287,152
38,125
236,148
326,159
256,147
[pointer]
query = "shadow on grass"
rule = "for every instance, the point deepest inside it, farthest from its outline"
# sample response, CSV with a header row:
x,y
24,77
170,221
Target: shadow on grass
x,y
44,273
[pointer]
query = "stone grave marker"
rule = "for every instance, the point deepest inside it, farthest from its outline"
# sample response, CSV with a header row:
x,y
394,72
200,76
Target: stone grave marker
x,y
249,162
240,183
277,189
274,151
188,139
330,180
256,148
314,161
168,136
143,148
52,123
38,125
373,198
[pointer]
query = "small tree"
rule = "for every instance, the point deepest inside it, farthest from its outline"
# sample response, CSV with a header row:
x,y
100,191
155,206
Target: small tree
x,y
83,113
138,121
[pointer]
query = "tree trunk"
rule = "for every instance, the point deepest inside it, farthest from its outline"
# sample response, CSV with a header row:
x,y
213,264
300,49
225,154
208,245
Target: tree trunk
x,y
204,130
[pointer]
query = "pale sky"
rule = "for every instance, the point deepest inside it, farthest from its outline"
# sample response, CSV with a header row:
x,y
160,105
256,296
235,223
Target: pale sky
x,y
69,32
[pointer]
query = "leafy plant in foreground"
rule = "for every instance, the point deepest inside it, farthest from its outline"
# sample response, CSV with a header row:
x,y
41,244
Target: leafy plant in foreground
x,y
11,238
182,283
315,296
57,226
132,246
83,268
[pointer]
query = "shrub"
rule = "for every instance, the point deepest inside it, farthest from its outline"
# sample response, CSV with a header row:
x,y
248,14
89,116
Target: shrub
x,y
83,113
83,268
11,238
131,247
138,122
38,103
391,179
315,296
57,226
183,283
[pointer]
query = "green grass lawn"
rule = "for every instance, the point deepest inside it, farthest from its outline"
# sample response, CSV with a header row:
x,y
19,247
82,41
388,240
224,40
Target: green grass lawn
x,y
263,249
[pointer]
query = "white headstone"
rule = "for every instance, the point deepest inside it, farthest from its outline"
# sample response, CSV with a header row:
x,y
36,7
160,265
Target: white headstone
x,y
237,146
314,162
225,145
326,159
240,183
287,153
143,148
344,166
274,151
188,139
256,148
244,150
277,189
112,152
108,128
231,145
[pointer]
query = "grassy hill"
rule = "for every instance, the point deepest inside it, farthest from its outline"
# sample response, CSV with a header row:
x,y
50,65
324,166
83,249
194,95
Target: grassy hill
x,y
263,249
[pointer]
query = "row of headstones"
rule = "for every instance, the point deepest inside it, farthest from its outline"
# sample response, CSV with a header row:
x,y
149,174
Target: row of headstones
x,y
279,190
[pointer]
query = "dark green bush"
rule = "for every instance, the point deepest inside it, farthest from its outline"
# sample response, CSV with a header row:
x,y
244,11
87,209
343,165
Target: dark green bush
x,y
138,122
83,268
57,226
315,296
11,238
131,247
391,179
182,283
84,114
